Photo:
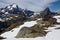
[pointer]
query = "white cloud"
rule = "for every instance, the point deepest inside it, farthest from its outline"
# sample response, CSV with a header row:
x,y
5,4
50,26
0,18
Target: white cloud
x,y
35,5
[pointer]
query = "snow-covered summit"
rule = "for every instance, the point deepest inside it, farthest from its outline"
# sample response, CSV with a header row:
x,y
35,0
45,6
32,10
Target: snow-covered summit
x,y
14,5
3,10
10,7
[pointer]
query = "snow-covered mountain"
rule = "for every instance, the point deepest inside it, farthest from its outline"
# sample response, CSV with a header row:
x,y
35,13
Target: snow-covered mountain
x,y
14,10
13,14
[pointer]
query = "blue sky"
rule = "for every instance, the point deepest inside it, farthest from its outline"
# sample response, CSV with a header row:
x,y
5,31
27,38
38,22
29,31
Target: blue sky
x,y
35,5
55,6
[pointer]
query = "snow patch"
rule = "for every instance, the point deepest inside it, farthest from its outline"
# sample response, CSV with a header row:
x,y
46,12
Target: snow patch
x,y
8,6
14,5
11,34
30,24
52,28
3,10
54,35
6,13
58,18
39,38
11,8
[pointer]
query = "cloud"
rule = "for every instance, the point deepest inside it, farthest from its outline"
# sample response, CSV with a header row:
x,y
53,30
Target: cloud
x,y
57,10
35,5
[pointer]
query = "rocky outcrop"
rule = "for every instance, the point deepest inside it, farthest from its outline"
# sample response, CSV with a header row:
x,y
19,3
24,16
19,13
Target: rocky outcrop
x,y
34,31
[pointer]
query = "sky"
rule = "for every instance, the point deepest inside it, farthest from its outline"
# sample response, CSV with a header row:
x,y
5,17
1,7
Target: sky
x,y
34,5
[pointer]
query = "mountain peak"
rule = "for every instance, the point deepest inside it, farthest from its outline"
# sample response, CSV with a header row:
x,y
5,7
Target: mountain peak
x,y
47,9
14,5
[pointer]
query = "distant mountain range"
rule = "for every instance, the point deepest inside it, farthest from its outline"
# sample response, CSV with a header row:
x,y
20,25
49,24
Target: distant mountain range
x,y
12,10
